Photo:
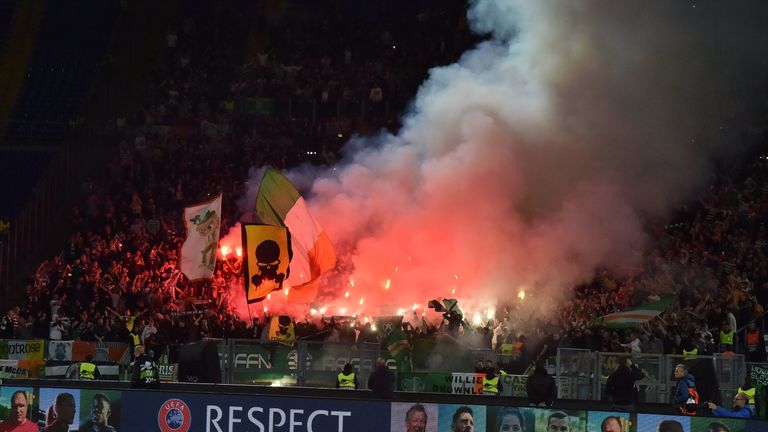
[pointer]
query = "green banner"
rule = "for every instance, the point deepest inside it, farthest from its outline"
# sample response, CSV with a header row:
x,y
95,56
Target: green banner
x,y
759,374
458,383
260,364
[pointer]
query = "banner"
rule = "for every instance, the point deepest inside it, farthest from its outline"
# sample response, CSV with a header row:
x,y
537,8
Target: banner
x,y
101,351
202,225
167,372
72,371
759,374
264,364
267,256
278,203
637,316
171,412
78,350
281,329
59,350
459,383
111,409
10,369
22,349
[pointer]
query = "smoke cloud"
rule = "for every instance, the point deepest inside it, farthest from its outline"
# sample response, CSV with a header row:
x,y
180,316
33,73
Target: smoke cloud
x,y
536,158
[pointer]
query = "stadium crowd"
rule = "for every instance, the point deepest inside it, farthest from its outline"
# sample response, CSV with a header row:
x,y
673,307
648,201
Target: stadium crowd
x,y
117,279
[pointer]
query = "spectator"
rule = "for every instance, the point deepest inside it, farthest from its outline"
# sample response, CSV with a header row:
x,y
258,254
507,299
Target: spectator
x,y
541,387
491,384
741,408
686,398
144,371
621,386
381,380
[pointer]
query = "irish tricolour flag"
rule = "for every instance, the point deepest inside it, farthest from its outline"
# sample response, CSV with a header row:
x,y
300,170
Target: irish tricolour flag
x,y
279,203
637,316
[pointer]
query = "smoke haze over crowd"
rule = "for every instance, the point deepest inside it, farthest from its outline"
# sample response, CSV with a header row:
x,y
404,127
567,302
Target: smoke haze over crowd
x,y
538,156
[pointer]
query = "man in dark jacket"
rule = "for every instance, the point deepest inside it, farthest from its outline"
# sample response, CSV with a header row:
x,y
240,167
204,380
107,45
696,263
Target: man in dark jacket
x,y
541,387
621,385
381,381
145,373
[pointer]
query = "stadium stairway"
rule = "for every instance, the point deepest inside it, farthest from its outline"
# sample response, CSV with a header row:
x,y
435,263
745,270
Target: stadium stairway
x,y
19,44
72,41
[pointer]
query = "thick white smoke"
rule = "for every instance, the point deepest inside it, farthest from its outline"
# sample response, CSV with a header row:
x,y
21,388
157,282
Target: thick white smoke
x,y
534,159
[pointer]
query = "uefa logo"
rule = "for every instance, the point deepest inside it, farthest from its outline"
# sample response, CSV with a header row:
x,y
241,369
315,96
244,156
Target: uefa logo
x,y
174,416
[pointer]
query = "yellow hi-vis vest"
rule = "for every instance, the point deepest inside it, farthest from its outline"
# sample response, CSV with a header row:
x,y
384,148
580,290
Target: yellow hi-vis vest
x,y
690,354
136,339
491,385
750,394
726,338
347,382
507,349
87,371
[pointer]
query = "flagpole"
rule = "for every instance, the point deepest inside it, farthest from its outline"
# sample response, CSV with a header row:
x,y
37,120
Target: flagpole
x,y
248,306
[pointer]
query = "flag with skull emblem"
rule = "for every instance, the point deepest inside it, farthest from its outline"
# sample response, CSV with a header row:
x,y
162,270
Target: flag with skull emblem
x,y
266,257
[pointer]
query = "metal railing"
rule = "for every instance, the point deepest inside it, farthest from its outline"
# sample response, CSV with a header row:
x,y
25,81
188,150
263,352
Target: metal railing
x,y
582,374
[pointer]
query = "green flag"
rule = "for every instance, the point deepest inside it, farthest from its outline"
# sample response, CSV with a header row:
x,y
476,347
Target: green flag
x,y
637,316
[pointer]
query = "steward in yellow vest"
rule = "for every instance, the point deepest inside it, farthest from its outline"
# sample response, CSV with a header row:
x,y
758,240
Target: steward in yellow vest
x,y
748,389
88,370
491,384
726,339
347,379
689,354
507,349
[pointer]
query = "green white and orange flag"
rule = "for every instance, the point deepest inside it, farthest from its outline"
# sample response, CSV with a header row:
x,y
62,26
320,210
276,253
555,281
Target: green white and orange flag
x,y
279,203
637,316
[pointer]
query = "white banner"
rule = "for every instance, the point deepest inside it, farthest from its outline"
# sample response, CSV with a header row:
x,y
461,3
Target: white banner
x,y
467,383
198,254
10,369
60,350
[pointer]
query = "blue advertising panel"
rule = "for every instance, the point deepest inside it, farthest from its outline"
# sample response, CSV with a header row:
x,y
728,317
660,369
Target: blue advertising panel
x,y
167,412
